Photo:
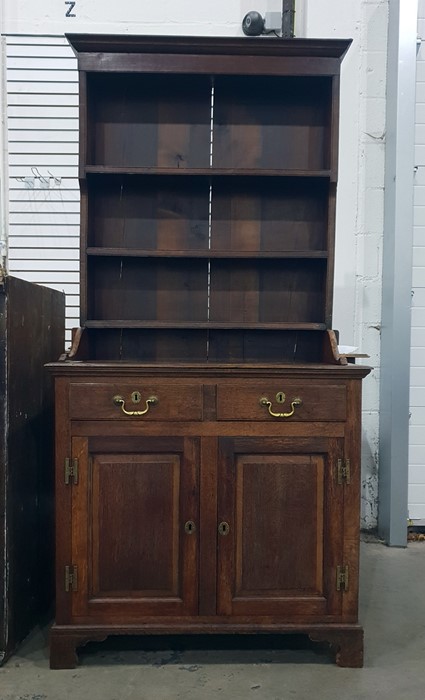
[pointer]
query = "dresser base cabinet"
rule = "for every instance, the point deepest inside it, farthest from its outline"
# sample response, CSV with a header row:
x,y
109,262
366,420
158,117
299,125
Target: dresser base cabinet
x,y
212,500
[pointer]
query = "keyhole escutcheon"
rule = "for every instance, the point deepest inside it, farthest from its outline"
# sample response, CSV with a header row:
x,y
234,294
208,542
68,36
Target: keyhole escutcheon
x,y
189,527
136,397
224,528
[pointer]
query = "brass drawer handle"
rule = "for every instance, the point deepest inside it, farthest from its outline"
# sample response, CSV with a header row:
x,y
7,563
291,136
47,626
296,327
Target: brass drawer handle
x,y
119,401
295,402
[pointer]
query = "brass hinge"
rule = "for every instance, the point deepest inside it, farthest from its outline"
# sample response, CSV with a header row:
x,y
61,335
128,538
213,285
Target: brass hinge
x,y
71,470
344,471
71,578
342,578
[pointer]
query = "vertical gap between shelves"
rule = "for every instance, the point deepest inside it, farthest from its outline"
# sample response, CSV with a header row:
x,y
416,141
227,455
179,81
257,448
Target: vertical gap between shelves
x,y
210,210
123,224
122,214
123,217
211,122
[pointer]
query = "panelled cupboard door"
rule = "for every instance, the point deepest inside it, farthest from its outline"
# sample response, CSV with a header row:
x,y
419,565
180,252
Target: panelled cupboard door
x,y
134,527
280,528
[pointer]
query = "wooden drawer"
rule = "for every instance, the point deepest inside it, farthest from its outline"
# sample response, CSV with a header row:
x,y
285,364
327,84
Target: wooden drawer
x,y
95,401
319,402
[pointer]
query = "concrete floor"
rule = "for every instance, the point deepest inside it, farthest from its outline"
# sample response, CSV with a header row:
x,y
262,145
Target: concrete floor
x,y
392,612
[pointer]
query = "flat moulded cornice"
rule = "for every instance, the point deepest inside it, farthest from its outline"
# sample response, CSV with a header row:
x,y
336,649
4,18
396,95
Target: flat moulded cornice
x,y
261,46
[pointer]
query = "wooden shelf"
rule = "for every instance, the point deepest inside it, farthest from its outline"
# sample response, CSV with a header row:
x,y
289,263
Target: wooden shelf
x,y
199,325
205,172
143,253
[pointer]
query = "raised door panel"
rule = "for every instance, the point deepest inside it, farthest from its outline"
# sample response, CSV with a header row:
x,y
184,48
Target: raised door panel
x,y
134,555
282,548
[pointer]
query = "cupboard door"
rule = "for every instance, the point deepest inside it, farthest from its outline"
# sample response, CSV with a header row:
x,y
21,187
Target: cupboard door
x,y
134,527
282,538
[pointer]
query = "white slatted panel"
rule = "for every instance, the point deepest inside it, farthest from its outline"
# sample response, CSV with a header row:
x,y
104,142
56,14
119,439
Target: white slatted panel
x,y
417,357
44,198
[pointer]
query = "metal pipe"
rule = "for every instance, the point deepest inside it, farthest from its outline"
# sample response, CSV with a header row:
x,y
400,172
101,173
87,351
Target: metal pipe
x,y
288,19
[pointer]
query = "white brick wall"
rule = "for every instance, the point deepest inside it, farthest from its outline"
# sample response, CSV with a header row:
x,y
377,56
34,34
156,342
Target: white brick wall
x,y
42,89
369,236
360,211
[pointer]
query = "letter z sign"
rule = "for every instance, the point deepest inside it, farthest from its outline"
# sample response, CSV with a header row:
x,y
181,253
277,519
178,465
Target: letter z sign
x,y
69,12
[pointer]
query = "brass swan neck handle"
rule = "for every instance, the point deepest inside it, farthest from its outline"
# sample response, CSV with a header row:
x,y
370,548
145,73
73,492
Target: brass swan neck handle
x,y
295,402
119,401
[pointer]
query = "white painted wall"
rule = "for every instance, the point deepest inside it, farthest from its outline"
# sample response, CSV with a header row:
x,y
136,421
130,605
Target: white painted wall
x,y
417,356
43,224
360,204
44,198
220,17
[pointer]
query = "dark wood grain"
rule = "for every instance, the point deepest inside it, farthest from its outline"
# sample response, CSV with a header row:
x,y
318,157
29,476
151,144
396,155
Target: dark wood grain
x,y
263,491
202,344
31,333
207,172
63,502
279,509
286,345
145,120
208,527
205,65
119,343
255,482
320,402
271,122
148,290
148,253
273,215
136,493
208,325
173,402
208,178
216,46
133,531
287,291
352,496
140,212
346,644
202,168
345,641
